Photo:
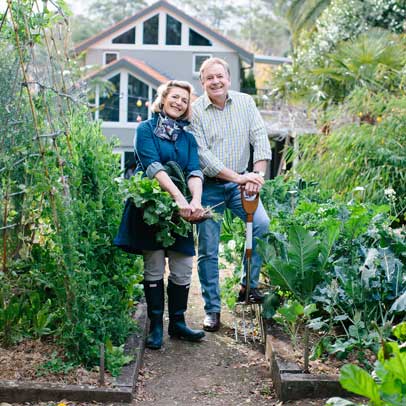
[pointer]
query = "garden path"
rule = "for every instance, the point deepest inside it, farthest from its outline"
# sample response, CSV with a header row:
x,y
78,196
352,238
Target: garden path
x,y
217,371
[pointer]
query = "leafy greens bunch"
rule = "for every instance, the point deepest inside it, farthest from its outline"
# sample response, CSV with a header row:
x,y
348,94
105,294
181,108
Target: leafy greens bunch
x,y
158,208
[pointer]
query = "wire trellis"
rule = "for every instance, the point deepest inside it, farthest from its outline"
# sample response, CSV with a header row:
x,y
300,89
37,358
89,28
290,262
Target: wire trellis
x,y
37,97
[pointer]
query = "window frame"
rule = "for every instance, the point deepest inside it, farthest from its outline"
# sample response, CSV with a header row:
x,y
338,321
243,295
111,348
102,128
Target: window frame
x,y
110,52
166,31
125,32
158,29
194,72
203,36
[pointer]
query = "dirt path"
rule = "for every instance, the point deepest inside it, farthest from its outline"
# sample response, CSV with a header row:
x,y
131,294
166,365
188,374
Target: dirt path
x,y
217,371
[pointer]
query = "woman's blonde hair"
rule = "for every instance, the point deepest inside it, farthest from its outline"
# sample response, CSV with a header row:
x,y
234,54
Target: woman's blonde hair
x,y
163,92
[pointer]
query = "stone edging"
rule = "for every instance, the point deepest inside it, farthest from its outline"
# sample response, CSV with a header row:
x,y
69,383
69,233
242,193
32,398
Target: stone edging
x,y
290,383
122,391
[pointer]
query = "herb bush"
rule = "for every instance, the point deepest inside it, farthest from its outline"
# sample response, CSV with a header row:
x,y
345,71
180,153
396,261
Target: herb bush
x,y
60,275
368,157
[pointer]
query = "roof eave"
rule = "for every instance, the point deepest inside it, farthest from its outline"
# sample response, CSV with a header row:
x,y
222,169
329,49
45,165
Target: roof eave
x,y
122,63
244,54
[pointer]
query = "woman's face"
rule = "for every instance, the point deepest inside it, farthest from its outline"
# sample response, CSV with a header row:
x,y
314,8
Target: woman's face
x,y
176,102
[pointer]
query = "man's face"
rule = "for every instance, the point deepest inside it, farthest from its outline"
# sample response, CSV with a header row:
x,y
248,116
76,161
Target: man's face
x,y
216,81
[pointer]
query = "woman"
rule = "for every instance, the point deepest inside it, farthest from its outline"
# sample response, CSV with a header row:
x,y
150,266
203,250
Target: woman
x,y
158,141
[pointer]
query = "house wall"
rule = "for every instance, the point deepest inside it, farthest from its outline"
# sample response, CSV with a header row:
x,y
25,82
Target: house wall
x,y
173,64
126,136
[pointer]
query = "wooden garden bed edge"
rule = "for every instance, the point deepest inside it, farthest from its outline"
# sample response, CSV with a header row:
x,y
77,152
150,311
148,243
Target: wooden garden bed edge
x,y
122,391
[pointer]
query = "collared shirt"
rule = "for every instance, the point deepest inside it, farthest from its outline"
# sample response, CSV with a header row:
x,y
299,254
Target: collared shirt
x,y
224,136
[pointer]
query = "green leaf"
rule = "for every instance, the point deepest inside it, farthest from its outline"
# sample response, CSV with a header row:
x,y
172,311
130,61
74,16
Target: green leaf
x,y
399,331
358,381
291,311
399,305
396,364
310,309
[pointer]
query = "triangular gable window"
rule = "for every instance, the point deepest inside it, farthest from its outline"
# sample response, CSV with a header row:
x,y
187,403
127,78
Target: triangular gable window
x,y
197,39
127,37
151,28
173,31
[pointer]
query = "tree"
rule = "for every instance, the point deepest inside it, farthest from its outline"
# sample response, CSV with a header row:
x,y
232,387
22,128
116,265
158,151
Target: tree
x,y
303,14
218,14
264,29
83,27
108,12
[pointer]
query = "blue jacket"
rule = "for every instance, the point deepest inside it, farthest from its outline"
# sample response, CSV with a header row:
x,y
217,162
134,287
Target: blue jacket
x,y
152,153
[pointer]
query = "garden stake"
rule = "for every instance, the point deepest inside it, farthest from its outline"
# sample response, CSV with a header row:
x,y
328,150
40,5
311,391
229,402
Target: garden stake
x,y
101,367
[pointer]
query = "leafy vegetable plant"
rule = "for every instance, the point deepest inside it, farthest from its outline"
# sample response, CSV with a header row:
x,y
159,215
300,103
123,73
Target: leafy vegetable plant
x,y
386,386
158,208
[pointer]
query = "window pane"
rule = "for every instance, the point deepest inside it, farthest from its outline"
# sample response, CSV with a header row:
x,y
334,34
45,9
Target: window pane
x,y
110,101
137,100
151,30
110,58
173,31
196,39
127,37
199,59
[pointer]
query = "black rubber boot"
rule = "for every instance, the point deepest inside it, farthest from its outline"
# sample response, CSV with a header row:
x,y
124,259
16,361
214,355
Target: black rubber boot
x,y
154,295
177,305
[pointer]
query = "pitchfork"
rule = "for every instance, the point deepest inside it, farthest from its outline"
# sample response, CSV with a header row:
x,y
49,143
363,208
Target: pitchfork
x,y
250,205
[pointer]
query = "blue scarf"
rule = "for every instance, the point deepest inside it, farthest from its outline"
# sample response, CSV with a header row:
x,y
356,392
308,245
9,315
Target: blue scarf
x,y
169,129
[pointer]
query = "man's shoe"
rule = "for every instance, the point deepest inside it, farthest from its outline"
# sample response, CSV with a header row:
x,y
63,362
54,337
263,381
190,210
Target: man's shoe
x,y
255,296
211,322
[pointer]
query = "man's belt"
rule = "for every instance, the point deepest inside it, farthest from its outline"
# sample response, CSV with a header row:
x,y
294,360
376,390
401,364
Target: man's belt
x,y
218,180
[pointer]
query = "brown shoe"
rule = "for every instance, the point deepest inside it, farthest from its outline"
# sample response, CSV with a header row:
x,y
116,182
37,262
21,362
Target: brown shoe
x,y
211,322
255,296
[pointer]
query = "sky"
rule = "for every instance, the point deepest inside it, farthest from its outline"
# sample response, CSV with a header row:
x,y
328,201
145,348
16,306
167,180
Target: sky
x,y
78,6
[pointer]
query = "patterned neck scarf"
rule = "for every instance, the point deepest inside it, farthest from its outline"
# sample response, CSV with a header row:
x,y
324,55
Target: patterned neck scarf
x,y
169,129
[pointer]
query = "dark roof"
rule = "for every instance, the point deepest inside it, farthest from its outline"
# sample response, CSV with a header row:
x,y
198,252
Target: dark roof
x,y
136,66
245,55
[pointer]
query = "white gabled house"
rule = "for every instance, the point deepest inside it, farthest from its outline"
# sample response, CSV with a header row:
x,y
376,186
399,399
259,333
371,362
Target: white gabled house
x,y
139,53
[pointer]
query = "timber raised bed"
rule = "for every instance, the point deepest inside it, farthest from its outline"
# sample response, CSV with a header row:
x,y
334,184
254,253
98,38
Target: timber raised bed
x,y
289,381
122,389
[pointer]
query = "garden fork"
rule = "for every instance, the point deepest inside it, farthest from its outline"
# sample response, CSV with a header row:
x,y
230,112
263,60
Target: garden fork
x,y
250,205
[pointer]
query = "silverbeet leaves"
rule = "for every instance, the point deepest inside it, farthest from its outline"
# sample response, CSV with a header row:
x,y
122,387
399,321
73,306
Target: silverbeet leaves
x,y
158,208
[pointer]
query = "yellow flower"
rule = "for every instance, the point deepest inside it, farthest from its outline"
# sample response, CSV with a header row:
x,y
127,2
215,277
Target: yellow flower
x,y
62,404
360,114
379,119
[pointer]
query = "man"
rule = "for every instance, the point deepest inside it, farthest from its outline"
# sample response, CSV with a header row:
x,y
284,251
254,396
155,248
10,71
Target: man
x,y
225,124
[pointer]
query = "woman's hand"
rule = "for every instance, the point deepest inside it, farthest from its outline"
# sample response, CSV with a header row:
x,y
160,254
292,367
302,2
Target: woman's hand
x,y
197,210
185,209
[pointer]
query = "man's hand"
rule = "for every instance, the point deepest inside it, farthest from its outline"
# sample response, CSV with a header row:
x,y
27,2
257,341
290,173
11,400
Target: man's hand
x,y
252,188
252,182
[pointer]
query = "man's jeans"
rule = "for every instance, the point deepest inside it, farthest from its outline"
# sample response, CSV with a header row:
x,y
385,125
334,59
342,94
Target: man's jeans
x,y
209,237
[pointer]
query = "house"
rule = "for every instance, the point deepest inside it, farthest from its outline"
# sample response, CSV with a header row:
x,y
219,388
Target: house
x,y
139,53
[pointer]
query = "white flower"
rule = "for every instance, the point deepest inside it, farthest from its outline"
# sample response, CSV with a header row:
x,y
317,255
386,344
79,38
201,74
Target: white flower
x,y
231,245
359,189
389,192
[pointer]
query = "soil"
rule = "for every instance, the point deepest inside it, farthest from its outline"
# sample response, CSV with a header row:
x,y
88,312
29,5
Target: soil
x,y
25,362
217,371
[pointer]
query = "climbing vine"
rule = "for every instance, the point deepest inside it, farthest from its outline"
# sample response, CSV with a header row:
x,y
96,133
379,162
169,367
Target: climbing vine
x,y
60,205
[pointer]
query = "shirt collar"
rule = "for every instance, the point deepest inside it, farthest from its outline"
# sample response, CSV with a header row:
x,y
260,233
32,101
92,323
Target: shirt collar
x,y
208,102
